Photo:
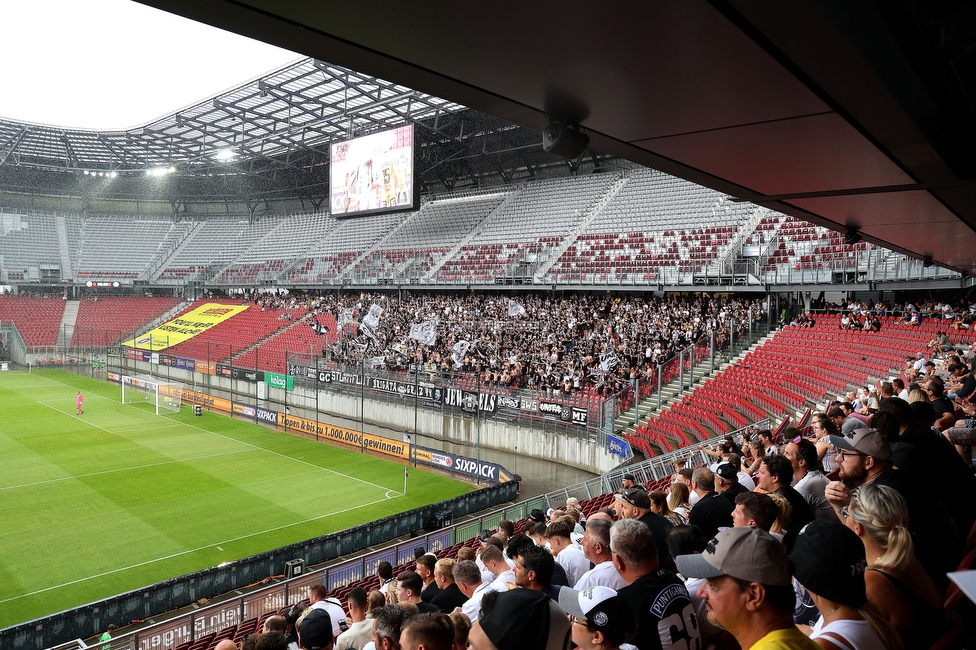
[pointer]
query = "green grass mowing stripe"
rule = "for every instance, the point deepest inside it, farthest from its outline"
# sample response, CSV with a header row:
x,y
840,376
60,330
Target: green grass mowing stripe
x,y
114,502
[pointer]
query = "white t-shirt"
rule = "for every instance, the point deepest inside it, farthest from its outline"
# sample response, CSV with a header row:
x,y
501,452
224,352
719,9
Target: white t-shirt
x,y
336,613
603,574
574,562
472,606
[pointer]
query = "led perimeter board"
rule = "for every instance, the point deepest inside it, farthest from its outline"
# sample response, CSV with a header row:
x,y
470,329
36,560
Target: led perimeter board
x,y
373,173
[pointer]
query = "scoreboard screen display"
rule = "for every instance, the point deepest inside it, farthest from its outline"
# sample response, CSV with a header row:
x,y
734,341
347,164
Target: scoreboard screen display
x,y
373,173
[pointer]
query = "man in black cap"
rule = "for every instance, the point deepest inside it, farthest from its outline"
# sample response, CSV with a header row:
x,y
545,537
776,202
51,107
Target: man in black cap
x,y
627,482
315,631
711,512
828,560
636,504
521,619
728,481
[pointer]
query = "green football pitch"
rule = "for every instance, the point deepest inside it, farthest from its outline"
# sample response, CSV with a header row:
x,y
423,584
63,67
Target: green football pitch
x,y
119,498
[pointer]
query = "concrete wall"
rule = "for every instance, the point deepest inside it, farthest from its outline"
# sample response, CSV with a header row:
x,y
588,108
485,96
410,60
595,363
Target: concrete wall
x,y
401,416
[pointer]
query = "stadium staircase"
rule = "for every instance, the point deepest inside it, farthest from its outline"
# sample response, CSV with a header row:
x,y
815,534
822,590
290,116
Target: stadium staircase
x,y
67,328
63,248
165,260
724,263
672,392
218,271
580,229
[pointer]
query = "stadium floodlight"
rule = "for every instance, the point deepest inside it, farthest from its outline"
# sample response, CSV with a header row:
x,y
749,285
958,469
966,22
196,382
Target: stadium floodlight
x,y
162,395
225,155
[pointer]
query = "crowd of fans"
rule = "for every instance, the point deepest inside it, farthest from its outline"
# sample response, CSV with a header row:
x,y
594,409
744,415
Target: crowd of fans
x,y
560,344
839,535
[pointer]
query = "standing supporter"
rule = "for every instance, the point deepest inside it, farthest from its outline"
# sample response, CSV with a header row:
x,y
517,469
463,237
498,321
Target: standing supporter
x,y
678,500
315,631
409,587
387,582
659,506
654,594
502,574
829,562
427,632
602,620
712,510
918,450
596,549
865,458
387,621
467,576
748,588
727,481
425,569
823,427
775,476
533,570
319,598
521,619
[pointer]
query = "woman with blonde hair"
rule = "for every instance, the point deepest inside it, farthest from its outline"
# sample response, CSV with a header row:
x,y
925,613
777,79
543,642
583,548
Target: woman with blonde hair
x,y
917,395
659,506
678,500
785,510
895,580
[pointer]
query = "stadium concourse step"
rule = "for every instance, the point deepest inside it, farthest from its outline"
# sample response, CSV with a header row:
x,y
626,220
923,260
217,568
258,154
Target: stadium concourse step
x,y
672,393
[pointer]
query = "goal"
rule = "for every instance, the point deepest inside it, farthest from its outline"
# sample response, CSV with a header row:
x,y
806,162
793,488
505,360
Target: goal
x,y
162,395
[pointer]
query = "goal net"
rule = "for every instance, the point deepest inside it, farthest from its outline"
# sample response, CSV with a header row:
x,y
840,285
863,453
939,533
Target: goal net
x,y
161,395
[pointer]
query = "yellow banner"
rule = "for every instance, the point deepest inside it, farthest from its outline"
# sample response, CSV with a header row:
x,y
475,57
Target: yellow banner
x,y
185,327
364,441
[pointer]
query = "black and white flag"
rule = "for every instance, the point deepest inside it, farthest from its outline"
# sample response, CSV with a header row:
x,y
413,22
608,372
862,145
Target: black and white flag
x,y
460,349
345,315
609,361
373,317
515,309
319,328
425,332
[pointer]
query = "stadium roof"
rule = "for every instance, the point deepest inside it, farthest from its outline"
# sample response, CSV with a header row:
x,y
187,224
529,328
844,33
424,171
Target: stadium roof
x,y
854,115
301,107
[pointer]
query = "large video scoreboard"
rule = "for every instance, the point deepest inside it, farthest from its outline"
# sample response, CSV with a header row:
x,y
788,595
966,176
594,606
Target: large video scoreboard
x,y
373,173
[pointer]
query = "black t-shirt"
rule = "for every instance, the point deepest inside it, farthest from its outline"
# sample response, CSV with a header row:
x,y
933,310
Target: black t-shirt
x,y
666,617
711,513
801,513
447,599
660,527
429,592
733,491
936,543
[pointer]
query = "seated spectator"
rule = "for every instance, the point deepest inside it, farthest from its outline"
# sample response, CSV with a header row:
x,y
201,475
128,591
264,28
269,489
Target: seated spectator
x,y
685,540
654,594
678,500
360,632
462,626
387,622
809,480
315,631
748,588
776,476
659,506
449,596
602,620
895,580
431,631
521,619
828,560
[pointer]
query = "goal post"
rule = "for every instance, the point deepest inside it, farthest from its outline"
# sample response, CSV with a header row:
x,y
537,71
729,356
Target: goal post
x,y
161,395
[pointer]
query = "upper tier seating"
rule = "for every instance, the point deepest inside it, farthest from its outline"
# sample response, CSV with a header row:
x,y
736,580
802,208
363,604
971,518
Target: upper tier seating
x,y
217,242
114,247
